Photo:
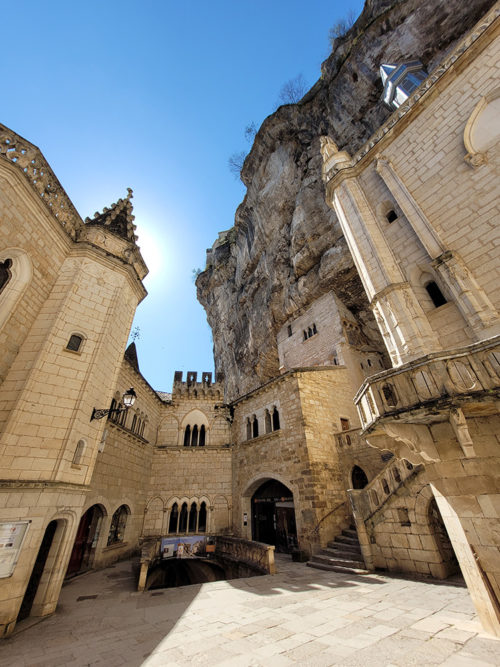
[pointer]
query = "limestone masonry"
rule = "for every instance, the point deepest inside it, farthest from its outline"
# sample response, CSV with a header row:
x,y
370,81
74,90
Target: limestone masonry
x,y
353,416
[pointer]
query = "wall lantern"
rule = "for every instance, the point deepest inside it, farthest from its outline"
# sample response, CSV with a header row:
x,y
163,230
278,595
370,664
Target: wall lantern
x,y
128,401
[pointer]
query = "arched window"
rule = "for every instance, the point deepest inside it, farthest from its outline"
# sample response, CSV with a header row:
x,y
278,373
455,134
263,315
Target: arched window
x,y
396,474
202,518
385,486
174,517
183,518
194,436
193,515
309,332
437,297
249,429
134,422
187,436
118,523
78,455
315,331
276,420
305,335
268,422
5,273
359,478
255,427
201,442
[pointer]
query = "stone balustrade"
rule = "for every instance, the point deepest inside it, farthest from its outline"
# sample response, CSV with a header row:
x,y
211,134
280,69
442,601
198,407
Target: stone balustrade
x,y
30,161
255,554
365,502
348,438
467,371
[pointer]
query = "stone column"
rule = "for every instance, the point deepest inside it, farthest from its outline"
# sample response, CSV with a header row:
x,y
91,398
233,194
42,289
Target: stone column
x,y
470,299
406,330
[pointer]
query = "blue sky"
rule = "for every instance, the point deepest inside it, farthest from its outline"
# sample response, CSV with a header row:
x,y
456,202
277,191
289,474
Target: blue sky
x,y
155,95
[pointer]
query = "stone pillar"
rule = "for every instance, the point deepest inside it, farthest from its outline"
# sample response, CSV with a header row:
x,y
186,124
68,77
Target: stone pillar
x,y
470,299
406,330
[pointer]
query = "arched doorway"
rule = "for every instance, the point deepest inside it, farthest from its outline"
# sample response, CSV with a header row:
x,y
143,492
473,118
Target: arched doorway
x,y
37,572
273,516
440,534
82,556
359,478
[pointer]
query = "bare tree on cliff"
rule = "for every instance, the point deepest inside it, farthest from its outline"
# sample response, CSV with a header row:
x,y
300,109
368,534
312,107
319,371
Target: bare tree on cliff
x,y
235,163
293,90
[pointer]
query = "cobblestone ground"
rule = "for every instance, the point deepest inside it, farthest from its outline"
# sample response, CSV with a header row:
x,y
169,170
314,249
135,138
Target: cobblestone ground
x,y
299,616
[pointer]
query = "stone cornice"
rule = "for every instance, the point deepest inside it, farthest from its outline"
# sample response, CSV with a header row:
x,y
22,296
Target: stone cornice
x,y
8,484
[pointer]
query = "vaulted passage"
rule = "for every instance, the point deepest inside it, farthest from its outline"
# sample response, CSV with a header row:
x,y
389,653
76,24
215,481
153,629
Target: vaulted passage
x,y
273,516
183,572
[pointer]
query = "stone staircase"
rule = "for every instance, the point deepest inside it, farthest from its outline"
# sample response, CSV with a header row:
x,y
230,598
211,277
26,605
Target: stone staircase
x,y
341,555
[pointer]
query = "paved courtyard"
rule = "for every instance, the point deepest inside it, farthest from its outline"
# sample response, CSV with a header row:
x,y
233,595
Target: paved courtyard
x,y
299,616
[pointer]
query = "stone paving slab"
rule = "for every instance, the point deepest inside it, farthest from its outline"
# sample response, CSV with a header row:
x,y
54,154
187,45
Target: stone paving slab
x,y
299,616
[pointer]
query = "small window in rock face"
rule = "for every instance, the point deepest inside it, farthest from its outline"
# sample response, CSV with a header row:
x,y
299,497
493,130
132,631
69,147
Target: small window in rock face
x,y
5,274
391,215
435,293
289,330
74,343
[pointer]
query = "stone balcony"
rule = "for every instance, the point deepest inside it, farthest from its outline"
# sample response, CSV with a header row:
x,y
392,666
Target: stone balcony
x,y
418,390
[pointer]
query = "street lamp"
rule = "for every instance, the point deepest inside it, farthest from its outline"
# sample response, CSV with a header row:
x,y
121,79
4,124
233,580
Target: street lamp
x,y
128,401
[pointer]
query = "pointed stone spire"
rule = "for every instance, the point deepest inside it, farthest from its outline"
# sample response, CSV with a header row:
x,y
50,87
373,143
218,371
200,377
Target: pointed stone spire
x,y
131,356
119,219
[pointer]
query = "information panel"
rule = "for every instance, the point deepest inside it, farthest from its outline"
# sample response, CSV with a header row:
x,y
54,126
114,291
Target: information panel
x,y
184,547
12,536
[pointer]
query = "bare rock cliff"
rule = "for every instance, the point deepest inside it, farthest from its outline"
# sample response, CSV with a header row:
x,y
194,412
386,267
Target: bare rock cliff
x,y
286,248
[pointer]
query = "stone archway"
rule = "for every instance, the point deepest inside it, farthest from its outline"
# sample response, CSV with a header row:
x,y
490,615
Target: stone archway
x,y
87,535
273,516
358,478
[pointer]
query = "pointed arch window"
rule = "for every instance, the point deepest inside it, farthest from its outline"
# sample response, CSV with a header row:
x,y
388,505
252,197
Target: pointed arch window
x,y
118,524
193,516
201,442
255,427
174,518
276,420
194,436
187,436
183,518
202,518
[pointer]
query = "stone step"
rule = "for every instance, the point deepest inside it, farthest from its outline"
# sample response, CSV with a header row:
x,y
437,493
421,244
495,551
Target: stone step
x,y
350,532
337,568
338,546
343,539
327,559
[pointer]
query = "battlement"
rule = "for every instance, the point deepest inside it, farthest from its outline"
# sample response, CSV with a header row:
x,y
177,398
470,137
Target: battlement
x,y
192,380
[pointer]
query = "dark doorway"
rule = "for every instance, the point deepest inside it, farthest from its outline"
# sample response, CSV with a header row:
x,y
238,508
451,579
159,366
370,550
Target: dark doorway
x,y
36,573
442,540
273,516
359,478
83,553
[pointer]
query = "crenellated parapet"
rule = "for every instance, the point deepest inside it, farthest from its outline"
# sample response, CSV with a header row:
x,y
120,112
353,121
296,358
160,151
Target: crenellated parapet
x,y
190,387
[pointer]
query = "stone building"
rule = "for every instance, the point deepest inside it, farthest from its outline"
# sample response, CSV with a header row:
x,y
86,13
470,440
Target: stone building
x,y
359,311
